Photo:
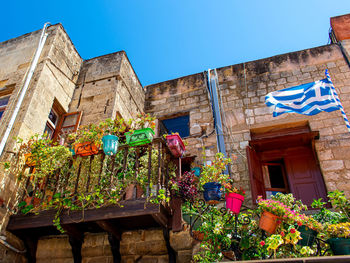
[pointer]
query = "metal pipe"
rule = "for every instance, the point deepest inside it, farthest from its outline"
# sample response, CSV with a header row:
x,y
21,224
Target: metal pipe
x,y
212,85
4,242
25,87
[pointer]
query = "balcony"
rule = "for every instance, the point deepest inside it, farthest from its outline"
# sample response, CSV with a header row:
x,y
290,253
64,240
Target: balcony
x,y
99,193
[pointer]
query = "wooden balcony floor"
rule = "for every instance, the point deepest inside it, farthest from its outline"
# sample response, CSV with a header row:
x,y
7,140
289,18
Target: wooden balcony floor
x,y
128,215
114,219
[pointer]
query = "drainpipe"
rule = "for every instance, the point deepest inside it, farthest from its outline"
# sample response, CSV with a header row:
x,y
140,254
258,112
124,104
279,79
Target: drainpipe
x,y
25,87
212,86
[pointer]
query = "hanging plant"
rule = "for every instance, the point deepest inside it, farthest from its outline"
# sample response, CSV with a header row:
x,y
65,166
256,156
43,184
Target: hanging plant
x,y
142,130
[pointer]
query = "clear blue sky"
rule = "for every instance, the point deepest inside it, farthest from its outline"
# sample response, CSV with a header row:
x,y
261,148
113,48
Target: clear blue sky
x,y
166,39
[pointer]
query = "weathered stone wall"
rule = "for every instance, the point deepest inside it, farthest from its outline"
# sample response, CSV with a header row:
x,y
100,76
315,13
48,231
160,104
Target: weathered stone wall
x,y
54,78
107,85
243,89
146,246
186,95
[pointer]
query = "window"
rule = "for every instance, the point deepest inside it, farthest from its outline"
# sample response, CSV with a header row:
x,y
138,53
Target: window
x,y
177,124
59,123
274,178
284,160
3,103
51,123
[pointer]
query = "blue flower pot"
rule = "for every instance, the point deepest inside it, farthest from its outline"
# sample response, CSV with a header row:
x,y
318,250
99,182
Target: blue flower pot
x,y
196,171
212,191
110,144
72,151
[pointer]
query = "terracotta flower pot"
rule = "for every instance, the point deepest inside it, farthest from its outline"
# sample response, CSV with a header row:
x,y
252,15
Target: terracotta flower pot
x,y
133,191
198,235
36,201
234,202
269,222
86,149
29,159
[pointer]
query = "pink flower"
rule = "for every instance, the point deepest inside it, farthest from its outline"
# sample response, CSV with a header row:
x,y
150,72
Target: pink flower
x,y
262,243
292,230
282,234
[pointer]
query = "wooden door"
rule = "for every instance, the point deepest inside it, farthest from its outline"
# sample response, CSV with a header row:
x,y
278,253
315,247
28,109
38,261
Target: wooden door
x,y
255,174
304,176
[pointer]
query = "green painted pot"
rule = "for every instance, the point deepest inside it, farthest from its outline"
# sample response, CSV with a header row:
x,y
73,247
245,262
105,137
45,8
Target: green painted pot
x,y
340,246
195,225
139,137
308,236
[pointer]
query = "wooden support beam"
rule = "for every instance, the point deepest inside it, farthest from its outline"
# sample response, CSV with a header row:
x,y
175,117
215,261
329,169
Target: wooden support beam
x,y
114,237
110,228
115,247
175,205
31,243
171,251
76,239
161,219
76,245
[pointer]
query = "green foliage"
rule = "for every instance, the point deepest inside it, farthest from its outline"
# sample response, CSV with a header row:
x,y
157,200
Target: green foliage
x,y
341,230
214,172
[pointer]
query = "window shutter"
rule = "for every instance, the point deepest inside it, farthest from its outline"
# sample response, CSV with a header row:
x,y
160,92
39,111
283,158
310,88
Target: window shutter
x,y
69,123
255,174
305,178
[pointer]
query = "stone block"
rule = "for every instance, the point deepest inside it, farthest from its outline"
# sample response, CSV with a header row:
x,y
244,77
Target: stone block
x,y
325,155
156,247
151,235
184,256
181,240
332,165
281,81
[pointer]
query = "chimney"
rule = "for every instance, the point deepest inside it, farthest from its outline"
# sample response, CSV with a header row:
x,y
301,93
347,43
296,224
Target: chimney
x,y
341,27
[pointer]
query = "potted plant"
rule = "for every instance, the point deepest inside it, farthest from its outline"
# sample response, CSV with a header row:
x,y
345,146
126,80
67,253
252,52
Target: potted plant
x,y
175,144
87,140
272,213
191,215
185,187
339,238
111,130
234,197
308,228
142,132
196,170
212,178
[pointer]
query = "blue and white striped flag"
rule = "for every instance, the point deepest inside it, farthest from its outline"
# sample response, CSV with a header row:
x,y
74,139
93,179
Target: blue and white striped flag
x,y
308,99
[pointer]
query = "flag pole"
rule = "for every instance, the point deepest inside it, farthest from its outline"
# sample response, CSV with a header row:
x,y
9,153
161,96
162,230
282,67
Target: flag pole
x,y
335,96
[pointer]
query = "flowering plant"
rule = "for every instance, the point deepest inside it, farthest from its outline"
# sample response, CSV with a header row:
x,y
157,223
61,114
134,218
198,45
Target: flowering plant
x,y
214,172
144,120
229,188
276,207
309,222
185,187
218,229
339,230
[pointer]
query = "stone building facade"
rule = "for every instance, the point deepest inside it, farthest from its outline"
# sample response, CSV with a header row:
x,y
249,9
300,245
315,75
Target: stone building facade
x,y
107,86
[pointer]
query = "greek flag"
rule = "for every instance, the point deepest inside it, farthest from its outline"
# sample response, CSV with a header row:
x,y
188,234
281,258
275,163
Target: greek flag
x,y
308,99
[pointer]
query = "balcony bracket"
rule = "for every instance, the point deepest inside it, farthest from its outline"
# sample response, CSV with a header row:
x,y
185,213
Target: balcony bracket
x,y
31,244
171,251
76,240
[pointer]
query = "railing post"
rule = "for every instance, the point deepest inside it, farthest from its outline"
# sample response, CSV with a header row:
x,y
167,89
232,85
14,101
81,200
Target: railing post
x,y
149,169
